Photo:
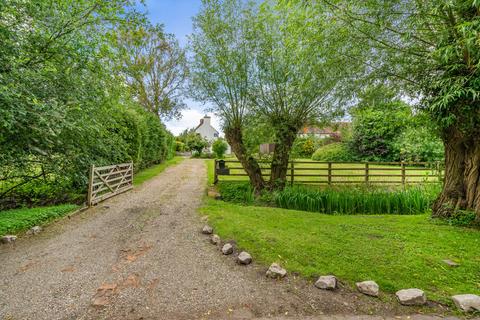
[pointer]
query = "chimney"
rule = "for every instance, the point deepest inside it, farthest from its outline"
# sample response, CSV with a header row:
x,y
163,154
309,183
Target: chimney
x,y
206,120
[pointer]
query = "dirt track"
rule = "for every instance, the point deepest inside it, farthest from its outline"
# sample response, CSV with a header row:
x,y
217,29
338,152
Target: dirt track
x,y
141,256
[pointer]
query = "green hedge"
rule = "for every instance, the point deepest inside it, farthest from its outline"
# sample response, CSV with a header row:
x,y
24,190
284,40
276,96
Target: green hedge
x,y
333,152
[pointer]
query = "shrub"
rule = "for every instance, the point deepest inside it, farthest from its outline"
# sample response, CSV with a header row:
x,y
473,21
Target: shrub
x,y
238,192
219,147
305,147
375,129
179,146
351,200
337,151
419,143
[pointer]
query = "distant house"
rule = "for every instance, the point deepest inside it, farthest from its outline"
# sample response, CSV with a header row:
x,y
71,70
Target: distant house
x,y
206,130
334,131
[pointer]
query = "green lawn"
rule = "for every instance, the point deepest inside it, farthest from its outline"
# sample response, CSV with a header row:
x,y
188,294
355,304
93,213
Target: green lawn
x,y
351,172
18,220
151,172
395,251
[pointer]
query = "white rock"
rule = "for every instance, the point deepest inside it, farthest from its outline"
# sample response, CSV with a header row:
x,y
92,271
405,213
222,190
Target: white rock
x,y
467,302
411,297
370,288
215,239
326,282
207,229
244,258
227,248
8,239
450,263
275,271
35,230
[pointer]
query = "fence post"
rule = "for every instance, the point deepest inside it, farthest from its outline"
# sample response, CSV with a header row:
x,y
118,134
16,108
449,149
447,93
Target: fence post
x,y
90,186
403,173
329,173
367,172
292,173
215,175
439,172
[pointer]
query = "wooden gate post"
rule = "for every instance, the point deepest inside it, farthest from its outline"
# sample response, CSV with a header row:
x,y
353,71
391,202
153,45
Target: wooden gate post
x,y
215,175
90,186
292,173
403,173
329,173
367,172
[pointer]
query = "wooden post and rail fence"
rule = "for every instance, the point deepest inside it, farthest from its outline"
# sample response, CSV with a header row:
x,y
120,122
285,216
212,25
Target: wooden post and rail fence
x,y
329,173
108,181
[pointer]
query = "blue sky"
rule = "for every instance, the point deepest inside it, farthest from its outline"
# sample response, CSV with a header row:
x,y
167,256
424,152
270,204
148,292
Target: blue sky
x,y
176,16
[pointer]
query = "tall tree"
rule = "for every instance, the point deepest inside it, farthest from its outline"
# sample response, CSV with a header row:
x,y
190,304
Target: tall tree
x,y
267,61
430,49
297,73
221,71
155,68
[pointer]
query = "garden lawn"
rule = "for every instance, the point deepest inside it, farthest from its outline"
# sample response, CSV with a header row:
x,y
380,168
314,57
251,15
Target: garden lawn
x,y
152,171
18,220
396,251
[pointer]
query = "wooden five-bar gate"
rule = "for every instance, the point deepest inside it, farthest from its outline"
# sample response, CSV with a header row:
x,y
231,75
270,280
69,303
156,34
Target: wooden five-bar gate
x,y
108,181
315,172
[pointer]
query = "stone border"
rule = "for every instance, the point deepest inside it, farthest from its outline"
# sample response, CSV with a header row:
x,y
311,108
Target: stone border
x,y
406,297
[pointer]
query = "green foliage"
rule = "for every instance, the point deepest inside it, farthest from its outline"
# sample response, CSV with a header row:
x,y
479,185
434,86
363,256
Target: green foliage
x,y
219,147
196,143
358,200
305,147
463,218
376,128
419,143
63,103
18,220
337,151
239,192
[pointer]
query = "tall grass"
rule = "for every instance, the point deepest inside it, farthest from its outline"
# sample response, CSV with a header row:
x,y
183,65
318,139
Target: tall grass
x,y
358,200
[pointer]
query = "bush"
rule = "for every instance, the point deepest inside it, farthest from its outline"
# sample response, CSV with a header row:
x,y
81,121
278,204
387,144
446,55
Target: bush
x,y
337,151
415,200
305,147
419,143
375,129
238,192
219,147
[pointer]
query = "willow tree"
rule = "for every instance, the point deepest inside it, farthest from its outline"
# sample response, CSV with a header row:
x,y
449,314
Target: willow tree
x,y
431,49
298,78
221,70
268,61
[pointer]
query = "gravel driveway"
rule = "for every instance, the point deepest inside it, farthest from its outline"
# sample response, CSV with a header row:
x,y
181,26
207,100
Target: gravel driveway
x,y
140,255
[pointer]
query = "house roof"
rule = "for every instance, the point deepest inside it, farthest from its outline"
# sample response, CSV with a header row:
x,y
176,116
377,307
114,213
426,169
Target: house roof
x,y
203,122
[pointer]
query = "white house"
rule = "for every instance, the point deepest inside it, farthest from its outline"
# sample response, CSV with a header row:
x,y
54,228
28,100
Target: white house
x,y
208,132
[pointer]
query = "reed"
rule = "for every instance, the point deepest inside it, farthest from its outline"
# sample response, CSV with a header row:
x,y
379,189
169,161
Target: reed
x,y
358,200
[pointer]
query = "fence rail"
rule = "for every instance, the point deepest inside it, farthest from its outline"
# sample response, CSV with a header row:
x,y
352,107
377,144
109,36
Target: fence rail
x,y
108,181
314,172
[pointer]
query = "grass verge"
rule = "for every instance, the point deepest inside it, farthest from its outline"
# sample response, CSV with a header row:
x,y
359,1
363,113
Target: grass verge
x,y
151,172
18,220
396,251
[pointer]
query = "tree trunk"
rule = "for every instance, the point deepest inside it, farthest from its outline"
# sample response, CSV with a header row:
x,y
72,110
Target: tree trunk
x,y
250,165
461,189
285,137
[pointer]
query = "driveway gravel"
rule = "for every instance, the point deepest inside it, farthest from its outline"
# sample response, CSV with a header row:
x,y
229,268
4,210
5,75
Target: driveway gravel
x,y
141,255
